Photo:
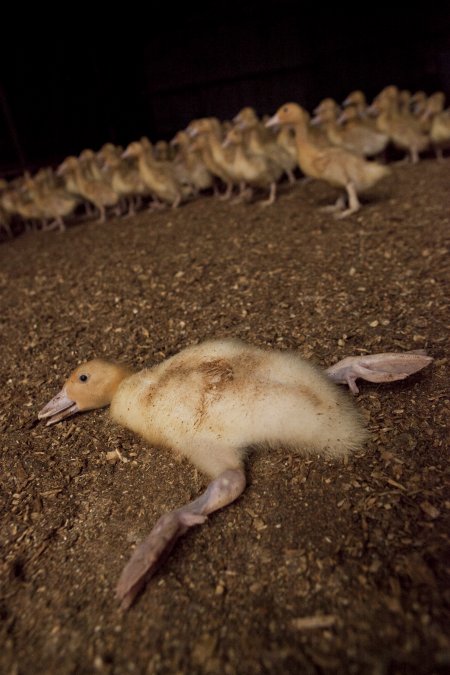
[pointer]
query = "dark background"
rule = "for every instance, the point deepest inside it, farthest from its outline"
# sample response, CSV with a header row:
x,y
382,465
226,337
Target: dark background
x,y
61,94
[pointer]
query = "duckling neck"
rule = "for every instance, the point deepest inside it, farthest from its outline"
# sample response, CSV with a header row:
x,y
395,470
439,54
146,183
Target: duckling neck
x,y
334,132
119,378
306,150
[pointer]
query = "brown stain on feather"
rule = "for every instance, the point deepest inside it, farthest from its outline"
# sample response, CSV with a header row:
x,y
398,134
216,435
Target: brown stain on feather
x,y
309,394
216,374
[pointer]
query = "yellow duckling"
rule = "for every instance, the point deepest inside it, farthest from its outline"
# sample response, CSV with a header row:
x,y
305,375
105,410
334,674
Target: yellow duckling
x,y
351,132
438,121
125,180
260,142
256,169
97,191
158,176
53,202
208,135
211,403
394,119
199,176
336,166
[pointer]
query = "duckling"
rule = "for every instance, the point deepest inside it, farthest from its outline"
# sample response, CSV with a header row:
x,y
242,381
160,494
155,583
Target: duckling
x,y
53,203
254,168
96,191
162,151
218,159
5,219
418,102
360,134
328,105
212,402
336,166
437,121
356,98
16,200
199,176
158,176
403,129
259,142
5,222
200,144
125,180
285,137
404,101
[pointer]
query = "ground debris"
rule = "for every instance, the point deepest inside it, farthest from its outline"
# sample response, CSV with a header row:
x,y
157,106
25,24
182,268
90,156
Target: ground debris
x,y
319,566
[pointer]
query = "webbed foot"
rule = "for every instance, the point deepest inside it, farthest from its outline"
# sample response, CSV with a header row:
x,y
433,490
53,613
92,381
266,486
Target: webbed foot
x,y
387,367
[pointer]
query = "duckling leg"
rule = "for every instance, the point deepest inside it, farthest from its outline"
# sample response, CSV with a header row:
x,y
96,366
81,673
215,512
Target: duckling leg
x,y
245,194
156,205
57,224
272,195
353,202
227,193
414,155
90,209
291,177
176,201
102,210
378,367
339,205
129,208
157,546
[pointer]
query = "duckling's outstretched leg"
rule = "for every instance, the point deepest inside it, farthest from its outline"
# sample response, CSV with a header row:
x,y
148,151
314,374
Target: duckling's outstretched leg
x,y
378,367
156,547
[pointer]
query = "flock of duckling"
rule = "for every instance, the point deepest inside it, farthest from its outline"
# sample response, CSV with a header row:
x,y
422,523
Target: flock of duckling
x,y
214,401
243,155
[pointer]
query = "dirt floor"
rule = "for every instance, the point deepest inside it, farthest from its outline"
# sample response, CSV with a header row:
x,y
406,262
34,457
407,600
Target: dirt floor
x,y
319,567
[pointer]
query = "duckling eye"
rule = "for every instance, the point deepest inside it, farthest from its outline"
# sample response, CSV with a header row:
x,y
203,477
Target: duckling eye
x,y
83,378
285,109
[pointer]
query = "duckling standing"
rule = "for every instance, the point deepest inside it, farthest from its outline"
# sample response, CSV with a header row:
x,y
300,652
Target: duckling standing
x,y
438,120
253,168
394,119
213,401
260,141
335,165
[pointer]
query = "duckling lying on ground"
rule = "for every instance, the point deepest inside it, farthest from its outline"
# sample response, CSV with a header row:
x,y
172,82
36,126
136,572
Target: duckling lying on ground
x,y
211,403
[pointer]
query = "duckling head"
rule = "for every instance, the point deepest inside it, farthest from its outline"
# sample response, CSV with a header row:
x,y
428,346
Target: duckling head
x,y
246,118
289,113
181,138
327,106
233,137
134,149
92,385
69,164
349,114
356,97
